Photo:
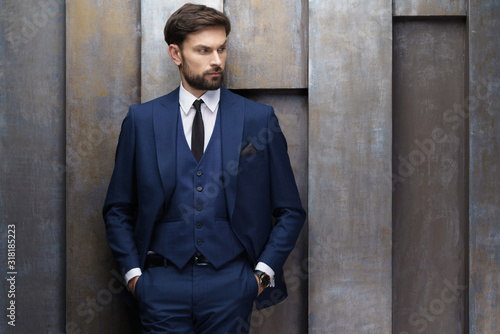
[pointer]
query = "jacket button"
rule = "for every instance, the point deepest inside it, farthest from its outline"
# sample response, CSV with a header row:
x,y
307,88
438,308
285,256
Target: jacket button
x,y
199,225
199,242
199,173
198,208
199,188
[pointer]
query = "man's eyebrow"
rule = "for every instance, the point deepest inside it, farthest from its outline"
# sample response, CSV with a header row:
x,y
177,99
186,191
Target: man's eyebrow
x,y
201,46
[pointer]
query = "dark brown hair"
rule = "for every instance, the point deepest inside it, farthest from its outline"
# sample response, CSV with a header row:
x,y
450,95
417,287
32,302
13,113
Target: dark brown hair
x,y
191,18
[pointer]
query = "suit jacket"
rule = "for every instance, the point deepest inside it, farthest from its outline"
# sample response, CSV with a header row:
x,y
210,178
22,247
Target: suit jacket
x,y
257,178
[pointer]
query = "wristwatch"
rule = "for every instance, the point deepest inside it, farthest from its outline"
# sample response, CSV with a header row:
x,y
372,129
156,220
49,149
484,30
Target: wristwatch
x,y
264,279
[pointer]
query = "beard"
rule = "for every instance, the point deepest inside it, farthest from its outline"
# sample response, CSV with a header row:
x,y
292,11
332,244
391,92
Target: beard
x,y
202,82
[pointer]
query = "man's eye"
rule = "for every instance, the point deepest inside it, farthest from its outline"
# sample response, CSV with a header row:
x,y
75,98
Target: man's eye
x,y
221,49
203,50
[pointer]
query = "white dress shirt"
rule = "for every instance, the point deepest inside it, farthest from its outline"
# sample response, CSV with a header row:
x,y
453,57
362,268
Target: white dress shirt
x,y
209,109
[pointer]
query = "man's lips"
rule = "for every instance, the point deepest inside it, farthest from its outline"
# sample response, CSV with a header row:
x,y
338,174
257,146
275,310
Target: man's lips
x,y
216,73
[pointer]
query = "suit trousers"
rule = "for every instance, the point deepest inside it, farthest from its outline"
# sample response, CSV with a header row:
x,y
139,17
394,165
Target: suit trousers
x,y
197,298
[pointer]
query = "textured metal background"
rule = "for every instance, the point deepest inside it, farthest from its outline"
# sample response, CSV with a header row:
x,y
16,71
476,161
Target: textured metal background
x,y
484,197
430,7
32,162
342,51
102,70
430,171
268,44
350,226
159,75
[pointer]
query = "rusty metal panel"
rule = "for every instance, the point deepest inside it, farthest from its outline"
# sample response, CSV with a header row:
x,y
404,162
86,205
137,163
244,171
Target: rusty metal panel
x,y
430,7
159,75
429,202
484,182
291,316
32,165
350,227
262,52
268,44
103,78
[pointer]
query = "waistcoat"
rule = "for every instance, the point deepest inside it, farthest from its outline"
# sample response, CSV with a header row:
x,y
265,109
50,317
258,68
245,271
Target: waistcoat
x,y
196,217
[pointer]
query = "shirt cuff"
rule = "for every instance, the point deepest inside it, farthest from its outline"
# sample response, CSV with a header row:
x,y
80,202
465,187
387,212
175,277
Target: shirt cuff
x,y
131,274
265,268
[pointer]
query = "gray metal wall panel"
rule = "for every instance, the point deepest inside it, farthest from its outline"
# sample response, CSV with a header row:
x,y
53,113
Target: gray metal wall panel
x,y
289,317
268,44
429,202
350,227
430,7
103,78
484,91
32,162
159,75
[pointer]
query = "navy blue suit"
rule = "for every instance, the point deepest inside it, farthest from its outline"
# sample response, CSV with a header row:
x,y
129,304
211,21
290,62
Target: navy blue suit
x,y
258,186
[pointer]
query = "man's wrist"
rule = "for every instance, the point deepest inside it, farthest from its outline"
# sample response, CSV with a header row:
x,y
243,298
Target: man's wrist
x,y
263,278
261,266
134,272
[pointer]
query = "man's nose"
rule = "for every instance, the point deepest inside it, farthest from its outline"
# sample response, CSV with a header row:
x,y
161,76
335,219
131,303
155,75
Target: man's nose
x,y
215,60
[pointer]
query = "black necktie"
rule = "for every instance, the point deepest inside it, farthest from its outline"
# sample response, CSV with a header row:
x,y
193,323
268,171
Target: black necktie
x,y
198,132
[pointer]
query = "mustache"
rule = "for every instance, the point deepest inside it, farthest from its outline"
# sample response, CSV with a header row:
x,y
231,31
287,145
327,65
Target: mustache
x,y
215,70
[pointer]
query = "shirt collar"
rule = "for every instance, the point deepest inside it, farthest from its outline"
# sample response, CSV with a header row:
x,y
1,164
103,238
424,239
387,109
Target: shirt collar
x,y
211,99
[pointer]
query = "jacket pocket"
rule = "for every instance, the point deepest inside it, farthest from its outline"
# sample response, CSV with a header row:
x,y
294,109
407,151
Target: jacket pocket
x,y
251,157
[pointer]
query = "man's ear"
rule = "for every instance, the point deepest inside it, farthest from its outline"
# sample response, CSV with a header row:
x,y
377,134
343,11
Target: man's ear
x,y
175,53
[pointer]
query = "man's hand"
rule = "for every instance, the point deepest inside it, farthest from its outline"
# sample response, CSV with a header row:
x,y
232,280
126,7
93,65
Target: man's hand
x,y
131,284
258,284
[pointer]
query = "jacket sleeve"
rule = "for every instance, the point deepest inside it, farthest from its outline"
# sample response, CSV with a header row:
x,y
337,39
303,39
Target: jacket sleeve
x,y
285,201
120,206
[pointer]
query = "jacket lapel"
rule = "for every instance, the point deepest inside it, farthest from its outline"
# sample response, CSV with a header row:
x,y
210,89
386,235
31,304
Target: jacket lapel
x,y
165,114
232,116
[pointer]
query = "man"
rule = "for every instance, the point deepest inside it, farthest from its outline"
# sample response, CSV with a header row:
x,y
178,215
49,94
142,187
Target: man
x,y
199,173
